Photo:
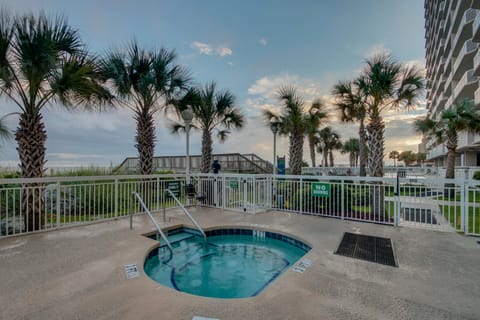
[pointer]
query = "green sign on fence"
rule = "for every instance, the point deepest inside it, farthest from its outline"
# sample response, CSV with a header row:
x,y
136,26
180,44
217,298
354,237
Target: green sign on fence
x,y
234,184
320,189
173,186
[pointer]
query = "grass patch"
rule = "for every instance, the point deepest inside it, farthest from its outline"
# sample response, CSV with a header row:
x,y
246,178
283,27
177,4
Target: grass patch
x,y
453,215
473,196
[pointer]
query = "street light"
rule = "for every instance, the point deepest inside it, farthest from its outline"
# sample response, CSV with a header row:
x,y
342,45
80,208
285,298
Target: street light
x,y
187,116
274,126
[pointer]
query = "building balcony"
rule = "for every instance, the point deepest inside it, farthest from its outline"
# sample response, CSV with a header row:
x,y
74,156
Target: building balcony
x,y
465,140
465,89
430,143
476,28
476,63
477,96
464,30
439,70
476,138
436,152
464,60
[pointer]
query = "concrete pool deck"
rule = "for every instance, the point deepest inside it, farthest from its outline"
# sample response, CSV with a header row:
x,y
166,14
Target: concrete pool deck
x,y
78,273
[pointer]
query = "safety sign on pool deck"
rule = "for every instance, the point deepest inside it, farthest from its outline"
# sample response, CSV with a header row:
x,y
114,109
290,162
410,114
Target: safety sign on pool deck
x,y
320,189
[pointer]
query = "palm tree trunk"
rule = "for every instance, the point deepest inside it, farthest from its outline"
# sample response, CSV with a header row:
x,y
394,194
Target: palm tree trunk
x,y
325,157
330,154
296,153
363,149
452,142
31,137
145,139
206,151
375,130
352,159
311,143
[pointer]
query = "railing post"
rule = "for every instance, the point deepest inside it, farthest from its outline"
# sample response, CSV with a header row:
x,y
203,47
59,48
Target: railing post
x,y
58,196
215,191
116,198
245,195
301,195
157,197
396,202
224,192
463,206
254,200
342,196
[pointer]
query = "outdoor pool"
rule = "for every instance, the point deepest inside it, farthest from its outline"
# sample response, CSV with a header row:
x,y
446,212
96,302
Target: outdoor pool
x,y
233,263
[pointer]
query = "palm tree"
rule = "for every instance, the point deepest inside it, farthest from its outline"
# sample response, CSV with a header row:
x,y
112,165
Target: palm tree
x,y
349,102
394,155
144,81
314,117
292,122
385,84
459,117
42,60
352,147
212,110
329,141
421,157
408,157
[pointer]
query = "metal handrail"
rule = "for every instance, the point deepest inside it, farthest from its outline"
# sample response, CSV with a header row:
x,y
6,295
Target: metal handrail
x,y
188,214
149,214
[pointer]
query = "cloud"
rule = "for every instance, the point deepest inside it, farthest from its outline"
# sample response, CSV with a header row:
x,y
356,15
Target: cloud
x,y
230,63
208,49
377,48
263,41
203,48
223,51
265,90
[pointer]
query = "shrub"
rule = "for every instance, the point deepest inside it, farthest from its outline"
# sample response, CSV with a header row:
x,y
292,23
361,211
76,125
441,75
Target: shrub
x,y
476,175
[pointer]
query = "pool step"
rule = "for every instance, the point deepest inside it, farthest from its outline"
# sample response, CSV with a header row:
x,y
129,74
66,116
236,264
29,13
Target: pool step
x,y
176,238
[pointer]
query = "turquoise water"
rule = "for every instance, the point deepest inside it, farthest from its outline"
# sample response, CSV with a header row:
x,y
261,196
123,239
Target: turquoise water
x,y
226,266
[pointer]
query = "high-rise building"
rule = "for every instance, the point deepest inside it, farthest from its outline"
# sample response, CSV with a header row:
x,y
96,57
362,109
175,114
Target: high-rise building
x,y
452,33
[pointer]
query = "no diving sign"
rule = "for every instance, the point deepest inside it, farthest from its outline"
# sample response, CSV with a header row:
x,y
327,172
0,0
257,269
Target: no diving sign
x,y
320,189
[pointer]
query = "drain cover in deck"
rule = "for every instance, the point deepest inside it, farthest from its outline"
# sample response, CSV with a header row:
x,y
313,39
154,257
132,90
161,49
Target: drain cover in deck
x,y
369,248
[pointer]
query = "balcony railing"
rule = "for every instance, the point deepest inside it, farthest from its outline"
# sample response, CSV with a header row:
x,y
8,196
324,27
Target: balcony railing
x,y
464,59
436,152
465,139
467,79
477,96
476,63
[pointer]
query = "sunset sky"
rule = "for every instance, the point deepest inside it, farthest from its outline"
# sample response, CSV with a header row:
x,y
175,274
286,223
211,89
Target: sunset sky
x,y
248,47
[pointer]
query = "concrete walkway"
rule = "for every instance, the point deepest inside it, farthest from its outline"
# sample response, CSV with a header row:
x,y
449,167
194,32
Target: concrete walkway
x,y
77,273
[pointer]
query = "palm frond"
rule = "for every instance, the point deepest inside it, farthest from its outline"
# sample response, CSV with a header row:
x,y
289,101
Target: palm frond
x,y
222,135
6,37
78,83
176,127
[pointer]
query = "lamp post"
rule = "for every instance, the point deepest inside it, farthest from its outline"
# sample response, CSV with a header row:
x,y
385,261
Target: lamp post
x,y
187,116
274,127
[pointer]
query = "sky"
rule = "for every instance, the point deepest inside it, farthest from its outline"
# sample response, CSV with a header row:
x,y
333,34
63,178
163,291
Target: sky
x,y
248,47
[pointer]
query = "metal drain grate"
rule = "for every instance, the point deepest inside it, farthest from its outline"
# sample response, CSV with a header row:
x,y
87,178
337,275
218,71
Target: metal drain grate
x,y
369,248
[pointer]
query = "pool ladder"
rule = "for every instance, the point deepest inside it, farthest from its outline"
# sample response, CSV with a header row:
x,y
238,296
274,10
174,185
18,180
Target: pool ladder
x,y
149,214
189,216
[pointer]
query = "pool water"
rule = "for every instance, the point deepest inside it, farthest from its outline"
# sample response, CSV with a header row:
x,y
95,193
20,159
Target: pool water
x,y
227,265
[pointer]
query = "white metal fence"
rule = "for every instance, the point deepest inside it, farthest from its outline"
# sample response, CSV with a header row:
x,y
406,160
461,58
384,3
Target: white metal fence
x,y
27,205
